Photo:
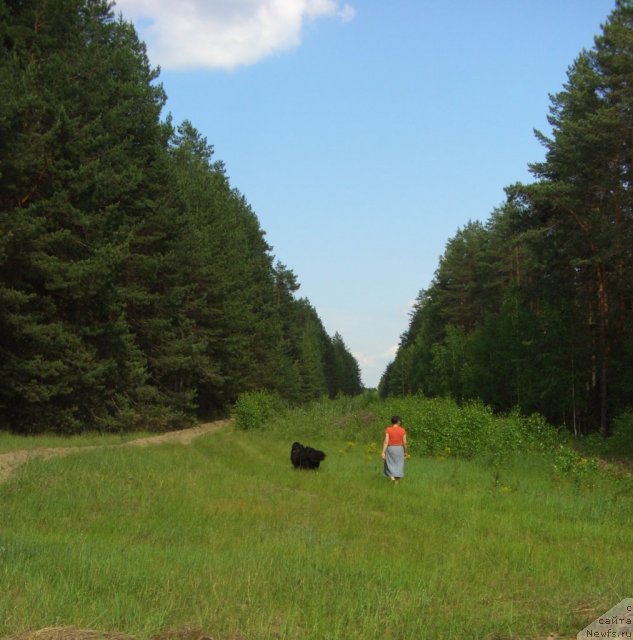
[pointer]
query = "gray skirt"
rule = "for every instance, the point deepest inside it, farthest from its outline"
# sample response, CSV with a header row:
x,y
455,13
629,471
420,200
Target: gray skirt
x,y
394,462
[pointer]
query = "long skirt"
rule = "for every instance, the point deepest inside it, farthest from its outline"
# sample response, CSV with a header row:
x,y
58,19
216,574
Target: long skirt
x,y
394,462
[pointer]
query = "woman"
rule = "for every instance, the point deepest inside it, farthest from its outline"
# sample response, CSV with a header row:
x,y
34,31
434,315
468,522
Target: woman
x,y
394,450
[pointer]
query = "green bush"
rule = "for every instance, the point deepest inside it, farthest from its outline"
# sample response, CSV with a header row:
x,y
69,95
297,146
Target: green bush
x,y
436,426
441,427
253,409
344,418
570,464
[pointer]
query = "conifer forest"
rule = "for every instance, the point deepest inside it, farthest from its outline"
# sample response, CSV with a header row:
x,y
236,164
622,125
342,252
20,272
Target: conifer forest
x,y
137,288
534,308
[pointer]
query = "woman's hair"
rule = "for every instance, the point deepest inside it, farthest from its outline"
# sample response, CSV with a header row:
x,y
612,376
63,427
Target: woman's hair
x,y
395,419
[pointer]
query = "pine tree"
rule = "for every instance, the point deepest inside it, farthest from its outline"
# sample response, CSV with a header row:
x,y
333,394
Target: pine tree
x,y
136,284
342,371
584,195
79,109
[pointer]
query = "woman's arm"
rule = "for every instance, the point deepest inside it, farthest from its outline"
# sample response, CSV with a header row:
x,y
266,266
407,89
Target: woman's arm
x,y
404,444
385,445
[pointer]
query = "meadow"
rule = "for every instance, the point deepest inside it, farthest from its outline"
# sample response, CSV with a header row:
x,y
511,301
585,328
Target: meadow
x,y
12,442
223,536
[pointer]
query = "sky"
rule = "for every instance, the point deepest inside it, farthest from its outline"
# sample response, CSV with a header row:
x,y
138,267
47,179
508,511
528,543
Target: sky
x,y
365,134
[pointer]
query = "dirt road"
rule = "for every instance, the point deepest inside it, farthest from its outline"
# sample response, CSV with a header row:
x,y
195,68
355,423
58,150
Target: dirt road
x,y
10,461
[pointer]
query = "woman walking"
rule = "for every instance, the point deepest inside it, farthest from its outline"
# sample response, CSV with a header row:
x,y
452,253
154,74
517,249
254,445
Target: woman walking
x,y
394,450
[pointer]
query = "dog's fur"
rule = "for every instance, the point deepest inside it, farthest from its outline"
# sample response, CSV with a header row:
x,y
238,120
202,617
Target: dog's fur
x,y
305,457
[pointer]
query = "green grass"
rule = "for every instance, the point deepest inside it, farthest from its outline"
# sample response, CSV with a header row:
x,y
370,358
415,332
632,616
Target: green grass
x,y
13,442
225,536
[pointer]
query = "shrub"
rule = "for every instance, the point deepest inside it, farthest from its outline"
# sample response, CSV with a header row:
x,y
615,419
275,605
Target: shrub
x,y
435,426
439,425
253,409
569,463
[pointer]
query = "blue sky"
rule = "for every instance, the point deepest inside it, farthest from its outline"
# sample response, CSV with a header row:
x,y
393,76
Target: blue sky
x,y
364,134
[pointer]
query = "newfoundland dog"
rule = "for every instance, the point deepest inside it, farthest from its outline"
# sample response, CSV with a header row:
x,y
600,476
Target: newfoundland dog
x,y
305,457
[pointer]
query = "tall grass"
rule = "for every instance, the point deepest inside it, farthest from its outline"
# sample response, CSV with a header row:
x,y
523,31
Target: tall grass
x,y
225,536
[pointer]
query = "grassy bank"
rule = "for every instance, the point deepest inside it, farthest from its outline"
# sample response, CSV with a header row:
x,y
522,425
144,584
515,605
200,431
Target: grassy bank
x,y
225,536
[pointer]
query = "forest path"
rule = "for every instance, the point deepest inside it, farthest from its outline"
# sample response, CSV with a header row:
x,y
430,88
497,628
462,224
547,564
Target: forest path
x,y
10,461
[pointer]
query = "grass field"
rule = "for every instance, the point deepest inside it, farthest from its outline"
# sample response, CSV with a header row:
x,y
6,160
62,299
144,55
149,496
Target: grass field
x,y
224,536
11,442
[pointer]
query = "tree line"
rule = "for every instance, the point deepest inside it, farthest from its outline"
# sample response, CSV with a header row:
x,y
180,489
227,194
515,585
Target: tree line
x,y
534,308
136,284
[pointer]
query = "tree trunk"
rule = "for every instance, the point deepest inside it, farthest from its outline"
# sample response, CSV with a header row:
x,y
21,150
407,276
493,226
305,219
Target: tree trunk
x,y
603,347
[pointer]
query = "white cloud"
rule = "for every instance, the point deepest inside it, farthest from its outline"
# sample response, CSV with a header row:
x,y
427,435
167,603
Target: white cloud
x,y
373,365
223,34
408,307
391,352
365,361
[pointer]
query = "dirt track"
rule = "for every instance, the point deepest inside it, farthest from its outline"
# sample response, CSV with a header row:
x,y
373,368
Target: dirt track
x,y
10,461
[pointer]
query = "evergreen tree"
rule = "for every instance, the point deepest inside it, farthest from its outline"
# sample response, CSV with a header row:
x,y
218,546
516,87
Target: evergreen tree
x,y
342,371
534,309
136,284
79,118
584,194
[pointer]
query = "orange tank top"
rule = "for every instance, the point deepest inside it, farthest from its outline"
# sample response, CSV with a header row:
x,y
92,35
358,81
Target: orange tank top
x,y
396,435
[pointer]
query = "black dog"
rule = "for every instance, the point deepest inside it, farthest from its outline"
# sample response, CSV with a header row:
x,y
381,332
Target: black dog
x,y
305,457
